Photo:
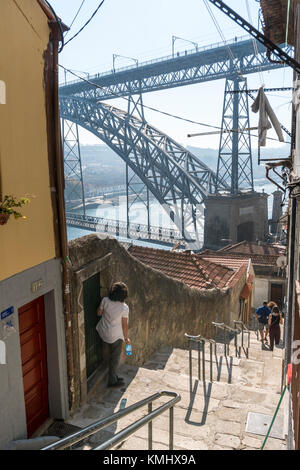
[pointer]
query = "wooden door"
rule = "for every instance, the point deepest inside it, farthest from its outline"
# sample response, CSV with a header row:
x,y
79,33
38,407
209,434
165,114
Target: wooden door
x,y
91,301
34,363
277,294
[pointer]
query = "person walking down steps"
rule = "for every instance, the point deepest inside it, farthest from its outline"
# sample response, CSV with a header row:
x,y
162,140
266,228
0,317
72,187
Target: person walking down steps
x,y
262,314
113,329
275,320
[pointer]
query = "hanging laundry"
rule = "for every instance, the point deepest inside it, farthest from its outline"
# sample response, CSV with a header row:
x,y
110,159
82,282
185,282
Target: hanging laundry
x,y
262,105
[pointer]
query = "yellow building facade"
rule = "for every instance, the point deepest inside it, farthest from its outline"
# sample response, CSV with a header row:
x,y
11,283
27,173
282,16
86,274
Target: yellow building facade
x,y
24,37
33,358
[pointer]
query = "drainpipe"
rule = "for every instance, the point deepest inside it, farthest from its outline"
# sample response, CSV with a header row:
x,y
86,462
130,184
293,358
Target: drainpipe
x,y
59,170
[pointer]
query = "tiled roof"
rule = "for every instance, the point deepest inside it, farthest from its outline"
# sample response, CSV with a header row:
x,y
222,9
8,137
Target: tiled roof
x,y
230,259
253,248
226,259
187,267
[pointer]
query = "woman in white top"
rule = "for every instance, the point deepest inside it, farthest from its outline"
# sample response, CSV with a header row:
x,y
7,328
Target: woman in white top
x,y
113,329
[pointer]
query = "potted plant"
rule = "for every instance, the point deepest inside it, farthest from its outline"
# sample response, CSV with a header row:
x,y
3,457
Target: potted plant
x,y
8,207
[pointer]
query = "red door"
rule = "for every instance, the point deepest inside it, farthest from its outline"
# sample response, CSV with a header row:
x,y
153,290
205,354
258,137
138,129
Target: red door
x,y
34,363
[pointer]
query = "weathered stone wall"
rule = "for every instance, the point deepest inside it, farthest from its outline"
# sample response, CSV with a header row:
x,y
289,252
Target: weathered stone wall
x,y
161,309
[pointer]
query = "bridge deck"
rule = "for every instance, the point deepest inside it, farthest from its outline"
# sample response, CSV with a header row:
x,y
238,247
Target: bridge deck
x,y
134,231
193,66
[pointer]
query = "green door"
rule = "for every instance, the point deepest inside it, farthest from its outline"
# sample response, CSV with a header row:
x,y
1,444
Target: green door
x,y
91,301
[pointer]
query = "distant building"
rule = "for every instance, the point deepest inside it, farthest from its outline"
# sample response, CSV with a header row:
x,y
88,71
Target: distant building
x,y
269,264
33,371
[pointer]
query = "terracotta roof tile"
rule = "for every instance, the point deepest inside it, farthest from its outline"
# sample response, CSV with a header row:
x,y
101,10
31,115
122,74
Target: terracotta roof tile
x,y
262,254
187,267
253,248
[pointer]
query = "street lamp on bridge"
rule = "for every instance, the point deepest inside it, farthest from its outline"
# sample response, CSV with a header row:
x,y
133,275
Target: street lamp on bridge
x,y
77,71
124,57
182,39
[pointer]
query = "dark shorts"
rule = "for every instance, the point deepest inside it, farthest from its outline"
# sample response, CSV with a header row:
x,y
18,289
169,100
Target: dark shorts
x,y
261,326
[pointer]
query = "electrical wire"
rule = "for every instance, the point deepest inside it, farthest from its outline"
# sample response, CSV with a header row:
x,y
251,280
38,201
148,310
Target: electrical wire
x,y
215,21
74,19
286,33
84,26
254,43
149,107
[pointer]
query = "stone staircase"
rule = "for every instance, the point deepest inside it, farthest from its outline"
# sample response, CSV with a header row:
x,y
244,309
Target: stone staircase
x,y
210,416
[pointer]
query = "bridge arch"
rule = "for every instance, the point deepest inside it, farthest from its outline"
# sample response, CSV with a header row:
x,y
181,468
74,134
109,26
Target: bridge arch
x,y
175,177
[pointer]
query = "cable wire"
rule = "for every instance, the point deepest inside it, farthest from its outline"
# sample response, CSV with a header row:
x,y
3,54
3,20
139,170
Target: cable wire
x,y
286,33
84,26
149,107
82,3
215,21
255,43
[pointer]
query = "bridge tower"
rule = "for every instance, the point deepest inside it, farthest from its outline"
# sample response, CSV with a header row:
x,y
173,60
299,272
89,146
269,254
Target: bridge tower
x,y
74,189
241,213
235,156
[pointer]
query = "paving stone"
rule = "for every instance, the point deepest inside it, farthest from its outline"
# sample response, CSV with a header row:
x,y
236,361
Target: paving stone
x,y
189,443
232,404
251,442
230,414
220,448
275,444
224,427
227,440
136,443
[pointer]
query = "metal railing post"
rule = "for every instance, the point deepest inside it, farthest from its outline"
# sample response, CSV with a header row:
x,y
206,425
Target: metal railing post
x,y
171,429
243,336
190,359
150,427
203,360
211,362
199,365
235,340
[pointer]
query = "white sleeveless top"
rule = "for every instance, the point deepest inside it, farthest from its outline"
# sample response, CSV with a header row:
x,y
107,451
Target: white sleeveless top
x,y
110,325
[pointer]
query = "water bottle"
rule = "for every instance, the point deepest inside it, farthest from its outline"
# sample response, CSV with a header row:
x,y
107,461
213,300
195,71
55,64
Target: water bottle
x,y
128,350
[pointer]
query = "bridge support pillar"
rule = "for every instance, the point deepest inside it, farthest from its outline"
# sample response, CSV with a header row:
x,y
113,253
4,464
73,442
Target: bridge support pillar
x,y
235,155
74,190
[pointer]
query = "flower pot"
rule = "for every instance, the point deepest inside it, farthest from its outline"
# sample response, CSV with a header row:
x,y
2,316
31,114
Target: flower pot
x,y
4,218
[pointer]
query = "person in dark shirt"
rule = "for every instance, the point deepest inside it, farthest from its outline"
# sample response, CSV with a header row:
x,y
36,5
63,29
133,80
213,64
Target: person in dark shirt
x,y
262,314
275,320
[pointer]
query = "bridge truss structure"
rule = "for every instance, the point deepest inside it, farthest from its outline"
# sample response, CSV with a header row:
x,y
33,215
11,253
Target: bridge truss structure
x,y
176,178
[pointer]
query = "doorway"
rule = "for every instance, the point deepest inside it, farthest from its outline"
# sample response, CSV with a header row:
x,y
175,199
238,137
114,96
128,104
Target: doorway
x,y
91,302
277,294
34,363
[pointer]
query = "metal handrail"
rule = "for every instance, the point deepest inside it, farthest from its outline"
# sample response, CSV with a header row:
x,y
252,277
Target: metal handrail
x,y
222,325
238,322
201,340
69,441
226,342
243,329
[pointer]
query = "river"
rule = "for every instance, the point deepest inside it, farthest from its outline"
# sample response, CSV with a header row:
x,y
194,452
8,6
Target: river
x,y
158,216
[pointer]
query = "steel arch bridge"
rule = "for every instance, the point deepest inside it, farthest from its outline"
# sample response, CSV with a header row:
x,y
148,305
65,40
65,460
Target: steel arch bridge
x,y
177,179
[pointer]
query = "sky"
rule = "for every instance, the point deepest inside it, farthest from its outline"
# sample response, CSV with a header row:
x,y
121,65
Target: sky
x,y
143,30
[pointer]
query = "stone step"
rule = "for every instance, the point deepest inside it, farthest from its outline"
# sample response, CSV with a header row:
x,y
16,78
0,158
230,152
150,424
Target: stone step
x,y
230,369
209,415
